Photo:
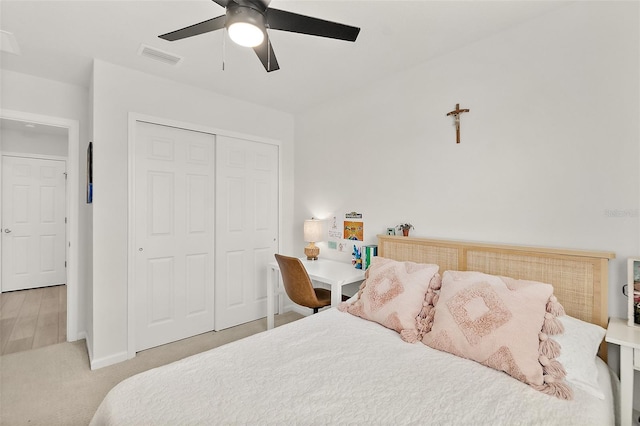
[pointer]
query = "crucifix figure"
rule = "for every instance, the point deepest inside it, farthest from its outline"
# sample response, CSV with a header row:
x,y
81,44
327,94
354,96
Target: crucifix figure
x,y
456,114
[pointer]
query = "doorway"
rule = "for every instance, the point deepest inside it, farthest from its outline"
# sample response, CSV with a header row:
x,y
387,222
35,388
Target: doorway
x,y
70,128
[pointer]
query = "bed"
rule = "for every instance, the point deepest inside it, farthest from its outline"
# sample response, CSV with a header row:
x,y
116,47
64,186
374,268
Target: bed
x,y
339,368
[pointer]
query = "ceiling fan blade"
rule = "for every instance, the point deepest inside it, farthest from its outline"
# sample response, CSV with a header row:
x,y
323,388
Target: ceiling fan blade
x,y
266,56
260,4
222,3
293,22
196,29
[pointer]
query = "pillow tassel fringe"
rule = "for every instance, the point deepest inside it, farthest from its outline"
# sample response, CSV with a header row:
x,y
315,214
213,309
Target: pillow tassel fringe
x,y
425,311
436,282
409,336
558,389
551,325
554,307
556,369
553,371
549,347
428,298
425,317
424,320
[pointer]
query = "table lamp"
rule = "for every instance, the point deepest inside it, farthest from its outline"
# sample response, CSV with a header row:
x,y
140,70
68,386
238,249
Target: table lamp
x,y
312,234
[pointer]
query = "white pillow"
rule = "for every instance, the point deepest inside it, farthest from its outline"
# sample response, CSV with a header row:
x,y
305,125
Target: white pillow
x,y
580,343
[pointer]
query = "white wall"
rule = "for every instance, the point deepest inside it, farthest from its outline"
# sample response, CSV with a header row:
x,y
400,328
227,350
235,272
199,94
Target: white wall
x,y
34,95
549,153
25,142
116,92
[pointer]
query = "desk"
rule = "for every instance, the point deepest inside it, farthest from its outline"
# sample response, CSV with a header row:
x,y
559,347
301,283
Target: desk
x,y
325,271
619,333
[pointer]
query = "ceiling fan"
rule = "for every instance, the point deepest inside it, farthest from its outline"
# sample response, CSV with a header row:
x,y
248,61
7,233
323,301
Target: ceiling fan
x,y
247,22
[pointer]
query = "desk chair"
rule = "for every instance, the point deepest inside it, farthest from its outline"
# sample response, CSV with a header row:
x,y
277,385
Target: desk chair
x,y
298,285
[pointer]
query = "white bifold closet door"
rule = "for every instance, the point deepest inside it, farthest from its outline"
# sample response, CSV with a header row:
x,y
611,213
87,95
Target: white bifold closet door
x,y
246,228
174,234
206,226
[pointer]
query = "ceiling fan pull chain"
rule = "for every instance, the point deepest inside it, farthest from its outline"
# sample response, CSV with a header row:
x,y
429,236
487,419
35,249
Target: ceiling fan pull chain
x,y
224,47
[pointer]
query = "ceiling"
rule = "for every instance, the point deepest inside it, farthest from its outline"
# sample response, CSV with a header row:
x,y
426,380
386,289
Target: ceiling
x,y
58,39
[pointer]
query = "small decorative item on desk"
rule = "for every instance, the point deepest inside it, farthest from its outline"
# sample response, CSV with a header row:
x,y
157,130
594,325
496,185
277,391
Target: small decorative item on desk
x,y
368,252
357,257
405,227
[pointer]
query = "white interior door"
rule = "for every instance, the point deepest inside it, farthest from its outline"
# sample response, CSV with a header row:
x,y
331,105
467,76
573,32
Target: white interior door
x,y
33,222
246,228
174,195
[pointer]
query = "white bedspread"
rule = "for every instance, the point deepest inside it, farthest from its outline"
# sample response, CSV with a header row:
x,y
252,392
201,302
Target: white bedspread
x,y
334,368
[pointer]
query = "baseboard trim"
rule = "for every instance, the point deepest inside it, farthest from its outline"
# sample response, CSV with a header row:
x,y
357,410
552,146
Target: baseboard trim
x,y
108,360
299,309
302,310
89,345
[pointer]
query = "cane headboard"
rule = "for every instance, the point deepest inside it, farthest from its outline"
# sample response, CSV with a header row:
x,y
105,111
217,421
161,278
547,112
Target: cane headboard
x,y
579,278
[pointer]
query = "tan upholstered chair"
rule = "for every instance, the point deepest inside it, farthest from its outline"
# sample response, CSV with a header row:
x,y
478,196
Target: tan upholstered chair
x,y
298,285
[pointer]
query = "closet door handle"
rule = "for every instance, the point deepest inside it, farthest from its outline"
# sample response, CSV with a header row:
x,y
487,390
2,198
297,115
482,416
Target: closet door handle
x,y
7,230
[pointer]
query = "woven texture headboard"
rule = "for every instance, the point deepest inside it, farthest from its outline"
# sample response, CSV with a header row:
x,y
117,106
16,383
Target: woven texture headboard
x,y
579,278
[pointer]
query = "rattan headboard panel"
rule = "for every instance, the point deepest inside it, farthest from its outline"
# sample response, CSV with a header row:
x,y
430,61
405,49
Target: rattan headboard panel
x,y
443,256
579,278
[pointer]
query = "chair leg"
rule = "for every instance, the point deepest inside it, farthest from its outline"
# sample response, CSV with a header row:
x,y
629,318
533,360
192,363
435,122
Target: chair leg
x,y
315,310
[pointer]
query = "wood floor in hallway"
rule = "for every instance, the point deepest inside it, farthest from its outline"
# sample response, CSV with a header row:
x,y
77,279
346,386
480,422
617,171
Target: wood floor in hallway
x,y
32,318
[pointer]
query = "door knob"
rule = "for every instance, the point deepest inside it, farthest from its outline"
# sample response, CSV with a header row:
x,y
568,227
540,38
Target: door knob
x,y
7,230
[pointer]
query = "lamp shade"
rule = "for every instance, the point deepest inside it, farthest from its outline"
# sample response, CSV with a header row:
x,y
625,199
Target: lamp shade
x,y
312,230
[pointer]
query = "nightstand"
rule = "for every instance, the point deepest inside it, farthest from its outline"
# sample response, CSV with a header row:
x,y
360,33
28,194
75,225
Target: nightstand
x,y
628,337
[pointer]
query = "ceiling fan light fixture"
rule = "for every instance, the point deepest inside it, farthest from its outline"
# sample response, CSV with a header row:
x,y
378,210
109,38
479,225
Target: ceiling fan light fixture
x,y
246,26
246,34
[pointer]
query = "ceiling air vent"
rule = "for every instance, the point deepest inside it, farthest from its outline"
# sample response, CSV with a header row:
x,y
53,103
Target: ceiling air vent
x,y
159,55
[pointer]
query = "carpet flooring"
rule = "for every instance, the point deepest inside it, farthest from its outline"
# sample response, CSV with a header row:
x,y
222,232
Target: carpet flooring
x,y
53,385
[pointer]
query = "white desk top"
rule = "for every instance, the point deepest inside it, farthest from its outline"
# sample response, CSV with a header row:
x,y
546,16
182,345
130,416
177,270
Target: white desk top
x,y
620,333
330,271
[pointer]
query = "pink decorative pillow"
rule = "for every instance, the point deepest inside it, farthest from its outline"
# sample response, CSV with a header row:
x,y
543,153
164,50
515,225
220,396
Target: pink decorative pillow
x,y
393,295
501,323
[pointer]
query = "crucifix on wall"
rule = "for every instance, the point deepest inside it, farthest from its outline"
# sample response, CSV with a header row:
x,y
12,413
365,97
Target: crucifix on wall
x,y
456,115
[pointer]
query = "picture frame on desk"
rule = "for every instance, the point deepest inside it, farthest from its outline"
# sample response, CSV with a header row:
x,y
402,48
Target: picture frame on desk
x,y
633,288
